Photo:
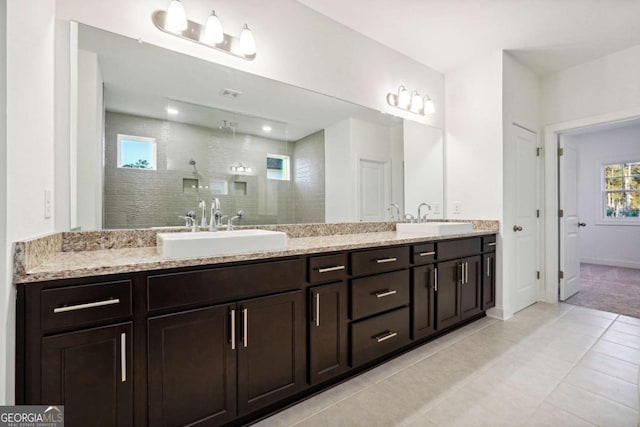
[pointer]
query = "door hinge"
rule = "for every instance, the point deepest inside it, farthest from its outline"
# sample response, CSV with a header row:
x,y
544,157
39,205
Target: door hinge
x,y
561,213
537,213
538,275
561,274
538,151
560,151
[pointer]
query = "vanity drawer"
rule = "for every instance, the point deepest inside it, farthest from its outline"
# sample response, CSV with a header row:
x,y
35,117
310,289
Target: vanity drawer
x,y
83,305
380,335
375,294
423,254
196,288
379,260
328,268
458,248
489,243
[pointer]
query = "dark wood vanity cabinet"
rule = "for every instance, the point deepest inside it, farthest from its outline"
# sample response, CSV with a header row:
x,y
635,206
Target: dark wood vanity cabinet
x,y
221,344
328,333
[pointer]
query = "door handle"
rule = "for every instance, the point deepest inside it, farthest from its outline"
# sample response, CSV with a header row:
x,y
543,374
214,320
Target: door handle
x,y
245,338
435,277
317,309
233,329
488,266
517,228
466,272
123,357
582,224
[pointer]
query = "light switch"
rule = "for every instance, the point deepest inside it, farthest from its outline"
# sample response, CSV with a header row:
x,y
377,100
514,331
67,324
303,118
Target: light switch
x,y
457,207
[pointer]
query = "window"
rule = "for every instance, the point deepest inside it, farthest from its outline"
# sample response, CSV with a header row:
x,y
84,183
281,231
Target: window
x,y
621,191
136,152
278,167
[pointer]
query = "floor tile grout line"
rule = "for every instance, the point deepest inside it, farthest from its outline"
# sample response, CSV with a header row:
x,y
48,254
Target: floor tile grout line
x,y
603,396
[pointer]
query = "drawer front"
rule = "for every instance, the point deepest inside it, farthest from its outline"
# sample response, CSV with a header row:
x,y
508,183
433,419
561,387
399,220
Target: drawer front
x,y
459,248
379,260
329,268
223,284
489,243
84,305
380,335
375,294
423,254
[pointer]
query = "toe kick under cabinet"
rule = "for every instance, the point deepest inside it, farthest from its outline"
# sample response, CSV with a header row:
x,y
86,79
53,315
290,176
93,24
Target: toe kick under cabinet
x,y
229,344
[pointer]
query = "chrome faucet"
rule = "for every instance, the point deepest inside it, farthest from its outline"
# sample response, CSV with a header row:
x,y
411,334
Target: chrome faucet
x,y
203,209
190,220
216,215
420,217
391,207
409,218
239,215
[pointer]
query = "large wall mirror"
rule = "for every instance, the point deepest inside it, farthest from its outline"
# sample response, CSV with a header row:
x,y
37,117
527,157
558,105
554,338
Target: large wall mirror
x,y
155,132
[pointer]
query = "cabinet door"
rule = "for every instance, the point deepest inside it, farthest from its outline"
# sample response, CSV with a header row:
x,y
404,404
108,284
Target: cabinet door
x,y
471,287
89,372
489,281
448,294
328,352
423,301
192,367
271,353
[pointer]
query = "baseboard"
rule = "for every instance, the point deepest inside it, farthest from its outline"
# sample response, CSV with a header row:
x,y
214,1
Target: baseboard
x,y
611,262
498,313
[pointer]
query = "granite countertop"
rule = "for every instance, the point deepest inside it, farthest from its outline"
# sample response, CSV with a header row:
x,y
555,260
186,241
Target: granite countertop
x,y
74,264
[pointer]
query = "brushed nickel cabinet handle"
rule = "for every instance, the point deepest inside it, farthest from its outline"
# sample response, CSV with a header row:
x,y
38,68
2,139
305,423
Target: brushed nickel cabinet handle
x,y
427,253
466,272
233,328
85,306
462,273
384,260
383,294
123,357
435,276
386,336
317,309
245,338
488,266
328,269
491,244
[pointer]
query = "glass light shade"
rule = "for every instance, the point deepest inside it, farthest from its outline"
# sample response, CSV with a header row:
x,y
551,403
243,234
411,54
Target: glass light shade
x,y
176,19
247,42
429,106
212,33
416,103
403,97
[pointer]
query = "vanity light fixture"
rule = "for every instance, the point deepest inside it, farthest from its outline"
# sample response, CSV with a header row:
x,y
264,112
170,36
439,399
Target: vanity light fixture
x,y
266,128
413,102
172,111
241,168
174,21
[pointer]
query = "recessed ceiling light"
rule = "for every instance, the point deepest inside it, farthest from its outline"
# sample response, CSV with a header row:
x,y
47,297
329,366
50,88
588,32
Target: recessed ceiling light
x,y
266,128
172,111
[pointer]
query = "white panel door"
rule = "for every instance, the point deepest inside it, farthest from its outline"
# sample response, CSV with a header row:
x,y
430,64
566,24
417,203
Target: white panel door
x,y
569,249
372,189
523,224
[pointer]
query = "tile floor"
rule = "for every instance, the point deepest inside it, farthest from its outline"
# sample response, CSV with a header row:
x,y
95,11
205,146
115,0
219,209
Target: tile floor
x,y
549,365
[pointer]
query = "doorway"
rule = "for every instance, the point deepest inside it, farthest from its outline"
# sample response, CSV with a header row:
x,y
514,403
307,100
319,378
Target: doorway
x,y
374,189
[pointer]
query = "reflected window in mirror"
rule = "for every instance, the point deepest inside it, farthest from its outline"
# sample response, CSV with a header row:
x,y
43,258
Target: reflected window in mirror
x,y
278,167
136,152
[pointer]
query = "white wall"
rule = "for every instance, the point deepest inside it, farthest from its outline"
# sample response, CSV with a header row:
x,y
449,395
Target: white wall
x,y
397,166
347,142
5,271
296,45
30,153
600,243
473,149
605,85
90,135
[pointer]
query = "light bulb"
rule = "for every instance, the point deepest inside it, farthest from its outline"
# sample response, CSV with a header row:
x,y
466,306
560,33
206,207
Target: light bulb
x,y
247,42
403,97
416,102
176,19
429,106
212,33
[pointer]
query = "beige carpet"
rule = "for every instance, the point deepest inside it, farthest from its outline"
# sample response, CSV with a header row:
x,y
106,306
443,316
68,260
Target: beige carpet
x,y
611,289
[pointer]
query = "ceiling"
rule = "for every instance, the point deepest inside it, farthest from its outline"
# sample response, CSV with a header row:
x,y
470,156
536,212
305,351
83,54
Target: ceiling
x,y
545,35
146,80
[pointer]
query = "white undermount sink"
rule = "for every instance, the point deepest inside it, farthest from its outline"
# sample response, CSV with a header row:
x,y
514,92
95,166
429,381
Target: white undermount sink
x,y
214,243
438,228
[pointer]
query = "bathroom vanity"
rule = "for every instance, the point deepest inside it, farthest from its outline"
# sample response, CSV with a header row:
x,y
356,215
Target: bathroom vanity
x,y
222,341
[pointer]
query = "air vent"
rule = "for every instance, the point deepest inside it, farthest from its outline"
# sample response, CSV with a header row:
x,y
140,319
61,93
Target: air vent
x,y
230,93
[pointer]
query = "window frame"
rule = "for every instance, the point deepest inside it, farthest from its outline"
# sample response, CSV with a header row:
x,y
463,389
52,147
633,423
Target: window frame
x,y
603,218
135,138
286,163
